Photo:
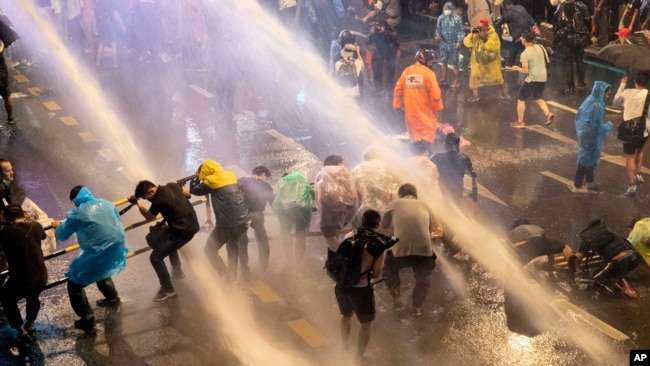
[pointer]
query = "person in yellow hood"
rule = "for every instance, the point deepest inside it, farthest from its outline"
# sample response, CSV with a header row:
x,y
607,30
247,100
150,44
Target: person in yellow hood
x,y
419,89
231,214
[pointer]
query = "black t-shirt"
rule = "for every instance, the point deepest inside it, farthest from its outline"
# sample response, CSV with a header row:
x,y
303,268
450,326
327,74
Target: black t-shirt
x,y
452,167
21,244
256,193
171,203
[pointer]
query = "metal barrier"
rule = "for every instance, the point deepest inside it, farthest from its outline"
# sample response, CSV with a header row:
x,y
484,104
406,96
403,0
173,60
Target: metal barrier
x,y
120,202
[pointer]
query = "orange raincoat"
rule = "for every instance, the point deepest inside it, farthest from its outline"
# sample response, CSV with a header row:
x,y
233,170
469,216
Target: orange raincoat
x,y
422,99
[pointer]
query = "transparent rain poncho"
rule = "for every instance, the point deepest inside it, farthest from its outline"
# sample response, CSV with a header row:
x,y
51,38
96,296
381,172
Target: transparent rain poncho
x,y
334,187
101,237
374,184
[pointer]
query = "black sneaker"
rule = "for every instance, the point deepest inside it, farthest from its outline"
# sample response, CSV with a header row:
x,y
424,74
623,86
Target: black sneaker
x,y
582,86
25,338
163,295
85,325
10,120
106,303
30,328
568,91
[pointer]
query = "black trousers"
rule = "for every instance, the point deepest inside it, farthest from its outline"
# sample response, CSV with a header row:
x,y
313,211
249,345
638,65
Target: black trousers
x,y
79,301
12,292
422,268
581,172
573,58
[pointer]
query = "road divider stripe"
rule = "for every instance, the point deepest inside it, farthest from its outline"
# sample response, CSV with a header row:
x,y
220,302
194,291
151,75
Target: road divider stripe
x,y
51,106
308,333
88,136
69,121
562,106
558,178
564,306
34,91
107,154
20,78
264,292
615,159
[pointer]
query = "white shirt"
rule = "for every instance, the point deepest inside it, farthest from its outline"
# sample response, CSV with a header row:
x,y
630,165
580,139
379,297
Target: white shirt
x,y
632,100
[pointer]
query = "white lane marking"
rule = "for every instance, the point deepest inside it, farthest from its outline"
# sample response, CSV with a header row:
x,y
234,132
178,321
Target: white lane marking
x,y
562,106
482,191
615,159
558,178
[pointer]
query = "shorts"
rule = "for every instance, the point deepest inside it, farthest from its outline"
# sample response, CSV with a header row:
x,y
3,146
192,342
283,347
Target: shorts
x,y
449,54
358,300
333,219
532,89
631,148
298,216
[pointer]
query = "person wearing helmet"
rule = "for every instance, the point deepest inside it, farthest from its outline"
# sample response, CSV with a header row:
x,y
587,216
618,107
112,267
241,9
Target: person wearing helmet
x,y
418,93
485,45
346,36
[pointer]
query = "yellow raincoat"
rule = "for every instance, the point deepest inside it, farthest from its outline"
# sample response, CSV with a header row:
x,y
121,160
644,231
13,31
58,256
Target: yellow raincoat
x,y
640,238
215,176
422,99
484,73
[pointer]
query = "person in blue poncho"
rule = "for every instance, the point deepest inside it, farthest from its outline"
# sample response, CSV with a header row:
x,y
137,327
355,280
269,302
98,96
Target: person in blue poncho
x,y
591,129
101,237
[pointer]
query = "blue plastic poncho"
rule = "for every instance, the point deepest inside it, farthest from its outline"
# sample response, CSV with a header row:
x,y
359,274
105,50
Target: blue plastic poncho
x,y
450,28
101,237
591,127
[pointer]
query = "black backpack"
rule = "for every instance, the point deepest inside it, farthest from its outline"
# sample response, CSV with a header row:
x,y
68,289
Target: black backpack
x,y
344,265
347,73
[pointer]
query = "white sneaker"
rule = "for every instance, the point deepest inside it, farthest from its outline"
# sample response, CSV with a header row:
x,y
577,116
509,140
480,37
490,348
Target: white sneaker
x,y
638,179
575,189
631,189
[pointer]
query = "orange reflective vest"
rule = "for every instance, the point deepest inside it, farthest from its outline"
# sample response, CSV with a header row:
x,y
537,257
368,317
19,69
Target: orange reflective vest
x,y
418,87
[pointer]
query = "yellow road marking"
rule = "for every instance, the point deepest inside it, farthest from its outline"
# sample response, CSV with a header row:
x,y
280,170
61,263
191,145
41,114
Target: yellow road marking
x,y
107,154
69,121
88,137
34,91
264,292
308,333
21,78
565,306
52,106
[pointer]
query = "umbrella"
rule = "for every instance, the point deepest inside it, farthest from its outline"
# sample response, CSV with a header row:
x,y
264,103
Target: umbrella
x,y
627,56
7,35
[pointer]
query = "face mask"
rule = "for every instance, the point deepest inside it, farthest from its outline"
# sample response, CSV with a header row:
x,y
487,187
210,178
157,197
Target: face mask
x,y
447,12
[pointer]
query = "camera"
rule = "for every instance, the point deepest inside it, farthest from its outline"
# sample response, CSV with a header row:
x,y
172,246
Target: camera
x,y
475,30
386,241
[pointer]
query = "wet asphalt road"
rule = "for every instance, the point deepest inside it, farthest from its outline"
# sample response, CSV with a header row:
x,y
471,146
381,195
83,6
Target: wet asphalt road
x,y
288,315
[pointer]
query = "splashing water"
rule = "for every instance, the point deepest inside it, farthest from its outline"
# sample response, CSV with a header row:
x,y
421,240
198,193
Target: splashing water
x,y
283,63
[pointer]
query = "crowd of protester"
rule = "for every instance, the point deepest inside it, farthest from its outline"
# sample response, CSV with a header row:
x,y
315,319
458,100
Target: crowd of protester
x,y
369,196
